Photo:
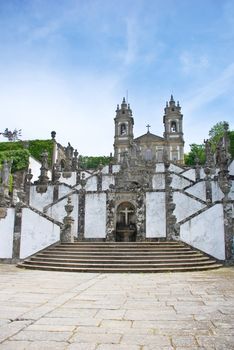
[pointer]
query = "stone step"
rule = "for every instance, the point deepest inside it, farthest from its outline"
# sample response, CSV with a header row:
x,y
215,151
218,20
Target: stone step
x,y
118,261
122,270
122,244
120,254
120,257
122,249
188,255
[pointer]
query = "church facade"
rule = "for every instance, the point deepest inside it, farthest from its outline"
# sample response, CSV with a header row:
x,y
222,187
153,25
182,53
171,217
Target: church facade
x,y
149,146
144,194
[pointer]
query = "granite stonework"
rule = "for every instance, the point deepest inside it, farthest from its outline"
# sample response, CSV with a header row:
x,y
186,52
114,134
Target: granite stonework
x,y
145,193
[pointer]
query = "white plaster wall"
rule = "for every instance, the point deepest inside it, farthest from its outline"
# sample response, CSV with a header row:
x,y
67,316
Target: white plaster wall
x,y
217,194
231,194
63,191
95,215
155,215
116,168
160,168
35,166
206,232
71,181
107,180
231,168
185,206
37,233
57,211
176,168
6,234
40,200
105,169
198,190
158,182
91,184
190,174
179,182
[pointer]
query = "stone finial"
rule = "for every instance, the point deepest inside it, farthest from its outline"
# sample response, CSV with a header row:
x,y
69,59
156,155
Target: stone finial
x,y
66,234
111,164
82,180
68,161
29,176
53,135
166,159
4,184
43,179
75,162
56,172
197,169
5,176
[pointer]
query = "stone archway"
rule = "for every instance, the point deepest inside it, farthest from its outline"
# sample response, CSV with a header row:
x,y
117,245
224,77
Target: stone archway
x,y
126,222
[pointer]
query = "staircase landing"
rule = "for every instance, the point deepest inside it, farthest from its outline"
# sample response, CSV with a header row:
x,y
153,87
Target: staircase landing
x,y
120,257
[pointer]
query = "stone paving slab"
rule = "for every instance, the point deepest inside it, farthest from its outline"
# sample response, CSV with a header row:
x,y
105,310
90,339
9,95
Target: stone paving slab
x,y
90,311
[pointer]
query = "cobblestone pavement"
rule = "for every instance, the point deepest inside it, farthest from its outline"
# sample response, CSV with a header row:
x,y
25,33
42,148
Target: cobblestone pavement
x,y
90,311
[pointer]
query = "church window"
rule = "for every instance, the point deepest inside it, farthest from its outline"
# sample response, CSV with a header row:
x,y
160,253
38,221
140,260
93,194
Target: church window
x,y
123,129
173,126
148,154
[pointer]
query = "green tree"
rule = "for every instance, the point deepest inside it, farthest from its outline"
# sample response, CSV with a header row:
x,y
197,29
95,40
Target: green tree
x,y
196,151
93,162
216,132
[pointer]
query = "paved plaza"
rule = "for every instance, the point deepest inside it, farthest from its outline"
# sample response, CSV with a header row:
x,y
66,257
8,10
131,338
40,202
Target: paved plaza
x,y
79,311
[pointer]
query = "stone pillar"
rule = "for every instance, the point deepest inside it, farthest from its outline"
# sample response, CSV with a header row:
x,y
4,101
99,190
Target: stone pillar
x,y
27,185
55,180
66,233
225,185
111,164
172,229
207,171
110,216
18,223
81,215
197,169
99,178
140,215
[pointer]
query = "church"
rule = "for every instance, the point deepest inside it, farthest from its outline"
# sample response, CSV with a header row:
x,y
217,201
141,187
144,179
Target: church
x,y
149,145
144,196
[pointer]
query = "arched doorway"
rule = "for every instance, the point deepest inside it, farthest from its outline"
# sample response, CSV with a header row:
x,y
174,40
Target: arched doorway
x,y
126,222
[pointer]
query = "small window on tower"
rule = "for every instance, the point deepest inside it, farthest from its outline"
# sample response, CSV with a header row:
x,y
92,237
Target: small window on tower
x,y
123,130
173,126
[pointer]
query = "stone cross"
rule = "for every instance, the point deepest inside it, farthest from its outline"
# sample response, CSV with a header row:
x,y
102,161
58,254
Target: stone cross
x,y
126,213
148,126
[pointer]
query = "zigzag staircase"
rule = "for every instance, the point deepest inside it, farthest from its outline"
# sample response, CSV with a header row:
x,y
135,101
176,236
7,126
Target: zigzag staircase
x,y
120,257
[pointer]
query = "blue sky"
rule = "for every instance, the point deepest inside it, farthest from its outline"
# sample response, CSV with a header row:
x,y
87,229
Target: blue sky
x,y
65,64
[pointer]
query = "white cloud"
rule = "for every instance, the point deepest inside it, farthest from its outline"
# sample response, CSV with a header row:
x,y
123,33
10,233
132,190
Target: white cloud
x,y
224,83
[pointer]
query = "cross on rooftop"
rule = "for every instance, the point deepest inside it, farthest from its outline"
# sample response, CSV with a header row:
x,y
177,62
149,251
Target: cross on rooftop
x,y
148,126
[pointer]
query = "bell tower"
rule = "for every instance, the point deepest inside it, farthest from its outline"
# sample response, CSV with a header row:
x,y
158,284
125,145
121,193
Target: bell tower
x,y
123,130
173,131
